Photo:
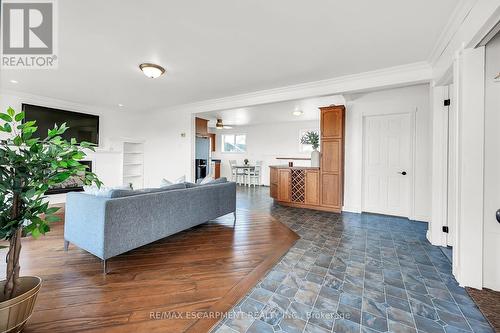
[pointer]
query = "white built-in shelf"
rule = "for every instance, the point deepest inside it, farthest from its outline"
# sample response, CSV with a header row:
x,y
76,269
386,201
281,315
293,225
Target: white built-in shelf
x,y
133,163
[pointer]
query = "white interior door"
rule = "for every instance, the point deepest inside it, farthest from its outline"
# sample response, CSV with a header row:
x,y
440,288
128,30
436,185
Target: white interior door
x,y
387,164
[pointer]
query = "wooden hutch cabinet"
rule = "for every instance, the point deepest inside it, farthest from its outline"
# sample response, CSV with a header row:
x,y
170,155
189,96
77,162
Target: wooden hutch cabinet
x,y
332,156
316,188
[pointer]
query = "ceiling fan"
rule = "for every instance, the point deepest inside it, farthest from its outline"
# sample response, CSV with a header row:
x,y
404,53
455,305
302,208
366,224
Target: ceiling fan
x,y
220,125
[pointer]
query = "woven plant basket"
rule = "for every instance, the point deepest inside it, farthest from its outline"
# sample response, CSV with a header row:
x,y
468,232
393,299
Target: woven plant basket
x,y
15,312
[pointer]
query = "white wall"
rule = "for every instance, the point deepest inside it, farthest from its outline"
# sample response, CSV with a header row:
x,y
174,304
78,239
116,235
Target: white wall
x,y
113,125
168,146
265,142
400,100
491,259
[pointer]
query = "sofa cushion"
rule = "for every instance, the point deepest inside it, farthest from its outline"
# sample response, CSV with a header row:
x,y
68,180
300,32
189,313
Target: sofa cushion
x,y
128,193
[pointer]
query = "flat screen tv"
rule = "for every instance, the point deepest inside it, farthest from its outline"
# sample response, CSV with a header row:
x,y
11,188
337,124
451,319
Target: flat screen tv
x,y
82,126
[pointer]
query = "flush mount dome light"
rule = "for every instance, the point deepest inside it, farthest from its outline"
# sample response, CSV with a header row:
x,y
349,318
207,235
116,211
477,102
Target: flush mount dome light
x,y
297,113
152,70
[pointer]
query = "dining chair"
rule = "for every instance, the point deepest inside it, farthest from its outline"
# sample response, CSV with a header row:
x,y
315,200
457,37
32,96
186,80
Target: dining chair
x,y
237,175
256,174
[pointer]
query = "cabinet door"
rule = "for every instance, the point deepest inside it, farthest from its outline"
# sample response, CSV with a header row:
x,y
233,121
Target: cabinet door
x,y
201,126
273,177
284,180
330,190
332,123
274,191
312,187
331,151
217,171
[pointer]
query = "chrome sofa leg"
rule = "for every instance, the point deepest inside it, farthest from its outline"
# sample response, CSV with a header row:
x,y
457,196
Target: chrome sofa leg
x,y
66,245
104,267
234,222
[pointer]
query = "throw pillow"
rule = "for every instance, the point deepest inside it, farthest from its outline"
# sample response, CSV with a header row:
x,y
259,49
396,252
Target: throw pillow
x,y
166,182
219,180
104,191
207,180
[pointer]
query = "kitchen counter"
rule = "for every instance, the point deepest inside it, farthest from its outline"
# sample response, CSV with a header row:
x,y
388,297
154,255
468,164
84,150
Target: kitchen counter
x,y
294,167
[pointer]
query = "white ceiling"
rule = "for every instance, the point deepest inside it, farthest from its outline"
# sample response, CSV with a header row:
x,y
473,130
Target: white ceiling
x,y
272,113
219,48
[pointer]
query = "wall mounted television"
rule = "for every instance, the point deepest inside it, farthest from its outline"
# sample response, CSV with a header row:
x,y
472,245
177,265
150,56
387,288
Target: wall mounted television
x,y
82,126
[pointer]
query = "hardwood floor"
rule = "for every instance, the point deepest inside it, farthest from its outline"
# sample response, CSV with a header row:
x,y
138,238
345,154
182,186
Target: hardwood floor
x,y
205,269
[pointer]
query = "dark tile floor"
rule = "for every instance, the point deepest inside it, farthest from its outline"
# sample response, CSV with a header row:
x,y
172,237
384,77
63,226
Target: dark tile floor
x,y
353,273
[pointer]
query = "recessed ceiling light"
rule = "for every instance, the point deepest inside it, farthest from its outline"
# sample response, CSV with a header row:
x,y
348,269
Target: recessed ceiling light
x,y
120,105
297,113
152,70
14,81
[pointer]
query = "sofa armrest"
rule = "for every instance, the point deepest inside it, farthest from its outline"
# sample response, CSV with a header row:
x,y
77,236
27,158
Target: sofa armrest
x,y
227,198
84,222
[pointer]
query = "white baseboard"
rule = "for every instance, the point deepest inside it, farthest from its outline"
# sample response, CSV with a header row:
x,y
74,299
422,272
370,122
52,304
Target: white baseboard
x,y
351,209
420,218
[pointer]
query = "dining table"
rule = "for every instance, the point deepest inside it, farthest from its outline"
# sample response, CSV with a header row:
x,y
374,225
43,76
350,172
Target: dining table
x,y
247,170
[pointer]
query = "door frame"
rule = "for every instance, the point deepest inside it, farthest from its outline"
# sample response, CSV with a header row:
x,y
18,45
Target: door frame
x,y
412,167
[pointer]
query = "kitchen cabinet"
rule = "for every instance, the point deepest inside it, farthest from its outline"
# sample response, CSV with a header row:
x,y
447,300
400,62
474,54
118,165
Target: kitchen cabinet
x,y
284,178
201,127
316,188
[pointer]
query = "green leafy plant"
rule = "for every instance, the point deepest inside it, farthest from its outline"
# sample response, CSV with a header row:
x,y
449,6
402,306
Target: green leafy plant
x,y
310,138
29,166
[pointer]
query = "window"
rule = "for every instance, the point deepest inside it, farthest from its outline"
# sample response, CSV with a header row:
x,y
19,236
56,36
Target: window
x,y
234,143
304,148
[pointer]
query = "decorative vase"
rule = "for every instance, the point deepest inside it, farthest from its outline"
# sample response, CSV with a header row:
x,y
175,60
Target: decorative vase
x,y
15,312
315,157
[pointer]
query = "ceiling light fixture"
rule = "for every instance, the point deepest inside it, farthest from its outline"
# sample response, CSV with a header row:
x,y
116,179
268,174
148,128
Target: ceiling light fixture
x,y
152,70
120,105
297,113
14,81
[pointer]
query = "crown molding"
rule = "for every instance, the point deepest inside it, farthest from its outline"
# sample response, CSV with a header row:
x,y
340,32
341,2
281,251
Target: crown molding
x,y
392,77
410,74
53,102
457,18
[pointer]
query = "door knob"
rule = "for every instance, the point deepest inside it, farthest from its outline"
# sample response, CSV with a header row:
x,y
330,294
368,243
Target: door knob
x,y
403,173
498,216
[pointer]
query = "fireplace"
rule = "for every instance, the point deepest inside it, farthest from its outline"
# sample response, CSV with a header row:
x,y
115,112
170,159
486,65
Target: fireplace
x,y
72,184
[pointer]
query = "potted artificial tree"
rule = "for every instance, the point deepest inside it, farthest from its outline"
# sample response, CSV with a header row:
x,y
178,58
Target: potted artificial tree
x,y
312,138
28,167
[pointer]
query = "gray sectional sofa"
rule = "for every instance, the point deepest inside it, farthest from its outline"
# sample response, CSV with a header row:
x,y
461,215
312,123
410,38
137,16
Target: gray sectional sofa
x,y
109,226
